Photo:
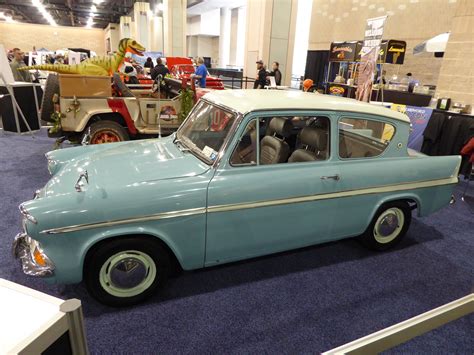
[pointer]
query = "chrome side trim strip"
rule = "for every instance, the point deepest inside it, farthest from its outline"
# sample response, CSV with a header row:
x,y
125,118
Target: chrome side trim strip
x,y
347,193
153,217
248,205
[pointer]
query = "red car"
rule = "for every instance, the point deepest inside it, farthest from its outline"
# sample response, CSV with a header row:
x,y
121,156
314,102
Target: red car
x,y
182,67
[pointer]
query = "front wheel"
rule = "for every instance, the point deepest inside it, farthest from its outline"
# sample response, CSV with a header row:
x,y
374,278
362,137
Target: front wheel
x,y
388,227
125,272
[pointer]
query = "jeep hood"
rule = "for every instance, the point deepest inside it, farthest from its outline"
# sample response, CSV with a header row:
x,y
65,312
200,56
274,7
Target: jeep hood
x,y
116,166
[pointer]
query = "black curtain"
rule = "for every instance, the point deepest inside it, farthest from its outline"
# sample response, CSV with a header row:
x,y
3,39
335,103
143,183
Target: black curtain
x,y
316,67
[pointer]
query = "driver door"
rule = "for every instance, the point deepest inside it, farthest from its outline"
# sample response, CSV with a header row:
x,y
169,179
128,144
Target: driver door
x,y
255,208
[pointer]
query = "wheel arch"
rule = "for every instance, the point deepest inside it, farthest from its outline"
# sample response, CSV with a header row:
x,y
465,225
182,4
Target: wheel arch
x,y
413,201
107,116
98,242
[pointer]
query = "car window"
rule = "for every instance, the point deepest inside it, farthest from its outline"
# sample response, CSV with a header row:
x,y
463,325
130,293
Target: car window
x,y
283,139
363,138
205,130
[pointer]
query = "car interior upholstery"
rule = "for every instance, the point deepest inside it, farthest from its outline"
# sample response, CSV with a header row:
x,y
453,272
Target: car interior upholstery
x,y
314,142
273,148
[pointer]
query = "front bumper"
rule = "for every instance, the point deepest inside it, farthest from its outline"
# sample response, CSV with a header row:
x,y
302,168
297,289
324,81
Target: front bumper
x,y
24,248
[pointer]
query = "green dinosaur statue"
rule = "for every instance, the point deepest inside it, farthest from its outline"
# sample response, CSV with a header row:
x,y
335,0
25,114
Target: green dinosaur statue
x,y
102,66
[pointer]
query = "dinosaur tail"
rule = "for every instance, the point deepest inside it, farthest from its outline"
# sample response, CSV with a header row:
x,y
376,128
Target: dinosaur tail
x,y
57,68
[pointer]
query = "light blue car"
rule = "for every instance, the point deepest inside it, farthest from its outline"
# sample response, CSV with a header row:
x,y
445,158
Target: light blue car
x,y
249,173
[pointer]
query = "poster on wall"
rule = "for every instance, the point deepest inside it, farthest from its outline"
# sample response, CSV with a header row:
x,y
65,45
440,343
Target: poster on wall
x,y
419,117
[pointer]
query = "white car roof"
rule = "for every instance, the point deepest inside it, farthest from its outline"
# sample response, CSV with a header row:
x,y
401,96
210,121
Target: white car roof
x,y
245,101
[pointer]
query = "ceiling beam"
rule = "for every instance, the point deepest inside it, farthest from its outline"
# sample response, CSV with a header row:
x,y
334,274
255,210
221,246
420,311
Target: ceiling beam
x,y
71,13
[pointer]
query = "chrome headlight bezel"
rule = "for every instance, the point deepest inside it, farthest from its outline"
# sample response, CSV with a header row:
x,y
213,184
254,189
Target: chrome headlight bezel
x,y
52,165
24,212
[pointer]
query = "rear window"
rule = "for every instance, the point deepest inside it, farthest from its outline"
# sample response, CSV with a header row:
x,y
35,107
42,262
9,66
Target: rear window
x,y
363,138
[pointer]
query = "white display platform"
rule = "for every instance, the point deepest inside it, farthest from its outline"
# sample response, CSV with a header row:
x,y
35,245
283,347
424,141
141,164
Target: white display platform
x,y
30,321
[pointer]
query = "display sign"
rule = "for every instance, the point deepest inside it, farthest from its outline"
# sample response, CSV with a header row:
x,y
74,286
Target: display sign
x,y
419,117
343,51
373,34
395,52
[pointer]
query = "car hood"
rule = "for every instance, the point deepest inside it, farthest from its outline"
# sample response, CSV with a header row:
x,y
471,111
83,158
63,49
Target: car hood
x,y
122,165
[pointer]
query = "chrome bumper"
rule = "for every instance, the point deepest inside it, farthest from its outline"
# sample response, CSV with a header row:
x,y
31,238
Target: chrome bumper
x,y
22,250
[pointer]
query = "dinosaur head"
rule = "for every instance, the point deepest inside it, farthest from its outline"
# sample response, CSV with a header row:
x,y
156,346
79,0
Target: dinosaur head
x,y
132,46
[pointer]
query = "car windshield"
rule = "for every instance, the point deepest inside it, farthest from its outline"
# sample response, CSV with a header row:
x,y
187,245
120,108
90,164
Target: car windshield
x,y
205,130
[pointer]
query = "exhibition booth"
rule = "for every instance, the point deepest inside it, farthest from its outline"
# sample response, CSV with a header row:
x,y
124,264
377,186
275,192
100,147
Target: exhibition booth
x,y
155,203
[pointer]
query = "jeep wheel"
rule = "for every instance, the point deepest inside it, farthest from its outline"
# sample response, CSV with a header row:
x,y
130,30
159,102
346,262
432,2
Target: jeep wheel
x,y
388,227
107,132
125,272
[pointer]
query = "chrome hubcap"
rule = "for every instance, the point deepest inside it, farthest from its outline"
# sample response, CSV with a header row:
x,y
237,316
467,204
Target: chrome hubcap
x,y
128,273
388,225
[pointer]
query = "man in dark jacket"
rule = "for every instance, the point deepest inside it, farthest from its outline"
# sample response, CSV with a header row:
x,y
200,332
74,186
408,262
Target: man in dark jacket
x,y
261,79
276,73
159,69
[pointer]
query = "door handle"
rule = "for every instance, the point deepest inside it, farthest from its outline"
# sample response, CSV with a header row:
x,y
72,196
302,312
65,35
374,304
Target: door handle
x,y
333,177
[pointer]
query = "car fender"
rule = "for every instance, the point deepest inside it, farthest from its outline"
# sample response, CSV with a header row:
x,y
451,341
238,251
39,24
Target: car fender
x,y
130,231
402,196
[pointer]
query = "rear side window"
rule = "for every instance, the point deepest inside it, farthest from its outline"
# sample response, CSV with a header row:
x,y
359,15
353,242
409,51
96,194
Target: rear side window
x,y
362,138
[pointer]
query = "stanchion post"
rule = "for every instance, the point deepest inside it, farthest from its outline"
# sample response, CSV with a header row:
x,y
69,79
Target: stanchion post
x,y
75,319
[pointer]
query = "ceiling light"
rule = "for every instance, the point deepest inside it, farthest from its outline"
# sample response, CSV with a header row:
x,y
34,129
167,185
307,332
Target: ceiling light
x,y
90,22
44,12
6,18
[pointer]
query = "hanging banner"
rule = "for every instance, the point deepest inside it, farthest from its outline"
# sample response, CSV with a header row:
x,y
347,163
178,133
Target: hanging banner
x,y
369,54
373,34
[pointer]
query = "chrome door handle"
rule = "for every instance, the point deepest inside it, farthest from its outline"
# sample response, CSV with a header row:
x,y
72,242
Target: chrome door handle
x,y
334,177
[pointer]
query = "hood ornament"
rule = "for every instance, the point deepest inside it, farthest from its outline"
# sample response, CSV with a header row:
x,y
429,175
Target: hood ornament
x,y
79,183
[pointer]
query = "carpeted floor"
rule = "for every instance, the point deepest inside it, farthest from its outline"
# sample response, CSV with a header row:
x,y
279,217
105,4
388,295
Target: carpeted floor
x,y
305,301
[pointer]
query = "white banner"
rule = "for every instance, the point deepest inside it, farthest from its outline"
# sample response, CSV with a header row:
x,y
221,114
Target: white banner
x,y
373,34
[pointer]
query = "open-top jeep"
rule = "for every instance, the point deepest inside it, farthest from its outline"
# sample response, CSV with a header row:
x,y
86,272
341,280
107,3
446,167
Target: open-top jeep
x,y
102,109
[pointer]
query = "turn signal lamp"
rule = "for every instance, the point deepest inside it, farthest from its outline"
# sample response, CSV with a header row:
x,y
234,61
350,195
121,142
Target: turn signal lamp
x,y
39,259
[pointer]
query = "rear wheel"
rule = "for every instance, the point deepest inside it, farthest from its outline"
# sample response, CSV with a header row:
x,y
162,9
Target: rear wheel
x,y
388,227
124,272
107,132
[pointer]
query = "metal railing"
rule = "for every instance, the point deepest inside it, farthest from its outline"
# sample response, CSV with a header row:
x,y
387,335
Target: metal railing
x,y
402,332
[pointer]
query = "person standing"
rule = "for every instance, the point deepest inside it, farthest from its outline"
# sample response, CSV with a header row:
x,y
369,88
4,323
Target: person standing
x,y
276,73
261,79
160,69
18,62
148,63
201,72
